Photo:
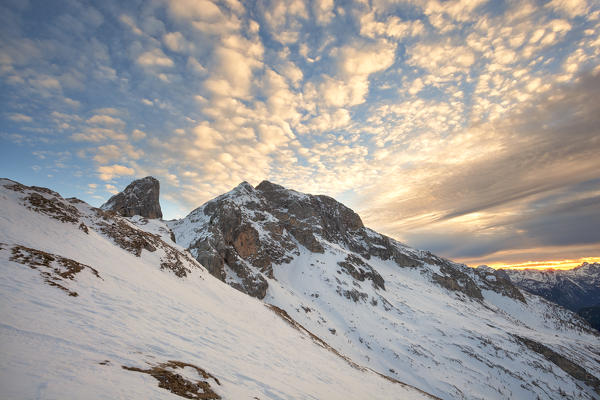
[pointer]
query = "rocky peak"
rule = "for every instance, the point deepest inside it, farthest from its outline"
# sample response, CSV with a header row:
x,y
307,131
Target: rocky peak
x,y
241,236
333,216
140,197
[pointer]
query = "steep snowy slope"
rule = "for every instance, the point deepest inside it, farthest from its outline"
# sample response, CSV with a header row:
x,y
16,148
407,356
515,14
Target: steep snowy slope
x,y
450,330
93,307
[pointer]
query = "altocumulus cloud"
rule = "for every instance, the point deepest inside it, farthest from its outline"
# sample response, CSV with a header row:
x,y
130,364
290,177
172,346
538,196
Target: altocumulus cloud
x,y
466,127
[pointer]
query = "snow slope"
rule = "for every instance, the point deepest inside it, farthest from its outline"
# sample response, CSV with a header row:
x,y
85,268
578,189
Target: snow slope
x,y
449,330
85,293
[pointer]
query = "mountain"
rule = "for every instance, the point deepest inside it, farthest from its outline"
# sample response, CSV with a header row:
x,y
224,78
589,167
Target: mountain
x,y
591,315
98,306
577,289
140,197
450,330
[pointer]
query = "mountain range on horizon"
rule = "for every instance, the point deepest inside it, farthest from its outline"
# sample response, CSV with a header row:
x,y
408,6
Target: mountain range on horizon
x,y
577,289
126,294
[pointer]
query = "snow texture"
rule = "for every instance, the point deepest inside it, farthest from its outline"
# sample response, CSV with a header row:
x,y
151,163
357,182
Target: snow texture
x,y
136,314
423,327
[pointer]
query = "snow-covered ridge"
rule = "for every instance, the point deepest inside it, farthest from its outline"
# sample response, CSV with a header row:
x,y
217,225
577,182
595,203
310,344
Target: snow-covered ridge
x,y
249,231
94,306
586,271
365,302
450,330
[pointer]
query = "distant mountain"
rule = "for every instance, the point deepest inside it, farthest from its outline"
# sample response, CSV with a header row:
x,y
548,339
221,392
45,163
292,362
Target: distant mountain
x,y
577,289
591,315
140,197
450,330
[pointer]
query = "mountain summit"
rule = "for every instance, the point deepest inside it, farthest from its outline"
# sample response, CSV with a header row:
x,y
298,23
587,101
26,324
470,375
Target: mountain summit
x,y
243,235
140,197
450,330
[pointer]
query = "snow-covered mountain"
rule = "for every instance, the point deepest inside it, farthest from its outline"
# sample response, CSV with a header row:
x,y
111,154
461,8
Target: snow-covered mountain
x,y
97,306
577,289
447,329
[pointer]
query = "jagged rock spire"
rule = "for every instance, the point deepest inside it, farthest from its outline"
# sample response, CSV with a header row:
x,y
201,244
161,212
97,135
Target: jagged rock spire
x,y
140,197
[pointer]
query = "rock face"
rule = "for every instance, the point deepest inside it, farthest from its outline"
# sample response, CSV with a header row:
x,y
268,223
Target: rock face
x,y
140,197
240,236
249,230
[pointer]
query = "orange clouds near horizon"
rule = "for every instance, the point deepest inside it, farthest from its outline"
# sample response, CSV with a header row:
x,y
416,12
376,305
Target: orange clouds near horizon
x,y
553,264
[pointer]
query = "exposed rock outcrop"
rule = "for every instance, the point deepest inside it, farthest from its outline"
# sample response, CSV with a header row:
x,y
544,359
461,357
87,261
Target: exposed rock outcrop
x,y
240,236
140,197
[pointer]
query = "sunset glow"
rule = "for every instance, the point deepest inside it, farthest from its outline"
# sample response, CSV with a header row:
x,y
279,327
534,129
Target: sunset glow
x,y
467,128
557,264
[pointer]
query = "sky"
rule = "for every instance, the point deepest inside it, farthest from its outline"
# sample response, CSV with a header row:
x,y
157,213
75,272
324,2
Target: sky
x,y
470,128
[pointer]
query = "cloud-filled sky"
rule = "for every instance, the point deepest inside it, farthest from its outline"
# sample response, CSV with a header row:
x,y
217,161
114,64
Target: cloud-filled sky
x,y
467,127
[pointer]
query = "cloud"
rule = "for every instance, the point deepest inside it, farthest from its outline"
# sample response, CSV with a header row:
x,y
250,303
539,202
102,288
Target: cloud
x,y
176,42
517,180
129,22
108,111
355,63
392,27
20,117
365,58
195,9
344,93
108,172
234,63
106,120
323,11
571,8
444,59
138,134
96,134
284,19
206,16
154,58
112,189
454,125
122,152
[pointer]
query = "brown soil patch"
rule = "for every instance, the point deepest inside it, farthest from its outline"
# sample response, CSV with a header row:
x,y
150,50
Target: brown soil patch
x,y
84,228
16,187
55,270
169,379
135,240
52,207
